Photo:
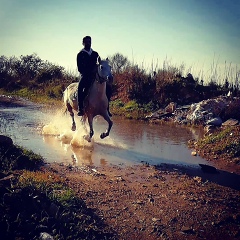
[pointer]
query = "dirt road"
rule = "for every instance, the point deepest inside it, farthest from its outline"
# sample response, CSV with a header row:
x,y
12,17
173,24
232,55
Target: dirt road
x,y
145,202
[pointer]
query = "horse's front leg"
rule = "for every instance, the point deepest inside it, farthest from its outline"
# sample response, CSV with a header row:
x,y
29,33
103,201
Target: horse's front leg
x,y
70,110
90,122
110,123
73,121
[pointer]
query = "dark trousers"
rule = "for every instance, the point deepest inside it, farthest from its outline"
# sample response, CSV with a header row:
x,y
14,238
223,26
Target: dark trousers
x,y
83,89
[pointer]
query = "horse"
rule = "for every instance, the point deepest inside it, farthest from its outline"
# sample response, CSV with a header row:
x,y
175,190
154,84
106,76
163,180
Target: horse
x,y
95,103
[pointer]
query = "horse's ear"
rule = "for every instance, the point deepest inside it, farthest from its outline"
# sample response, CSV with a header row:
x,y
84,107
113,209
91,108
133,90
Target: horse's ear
x,y
99,60
107,59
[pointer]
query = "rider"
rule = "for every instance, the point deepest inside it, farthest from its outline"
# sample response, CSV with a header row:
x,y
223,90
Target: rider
x,y
86,63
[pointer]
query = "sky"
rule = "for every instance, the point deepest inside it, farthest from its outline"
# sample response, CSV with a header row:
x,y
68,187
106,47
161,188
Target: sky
x,y
203,35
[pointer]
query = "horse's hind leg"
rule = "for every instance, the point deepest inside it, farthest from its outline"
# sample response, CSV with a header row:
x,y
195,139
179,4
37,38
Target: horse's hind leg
x,y
110,123
69,108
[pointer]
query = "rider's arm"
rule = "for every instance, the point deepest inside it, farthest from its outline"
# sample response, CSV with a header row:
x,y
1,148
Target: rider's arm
x,y
81,63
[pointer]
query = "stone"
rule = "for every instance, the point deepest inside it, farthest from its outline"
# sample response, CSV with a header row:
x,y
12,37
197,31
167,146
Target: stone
x,y
217,121
231,122
171,107
194,153
45,236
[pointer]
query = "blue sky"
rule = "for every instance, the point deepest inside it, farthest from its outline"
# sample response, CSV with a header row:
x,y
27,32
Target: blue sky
x,y
196,33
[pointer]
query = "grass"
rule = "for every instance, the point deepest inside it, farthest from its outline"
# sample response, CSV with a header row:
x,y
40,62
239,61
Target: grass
x,y
35,200
131,109
225,143
16,157
35,96
51,184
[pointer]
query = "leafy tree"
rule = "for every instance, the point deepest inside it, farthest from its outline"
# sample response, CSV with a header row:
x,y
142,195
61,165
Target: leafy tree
x,y
28,67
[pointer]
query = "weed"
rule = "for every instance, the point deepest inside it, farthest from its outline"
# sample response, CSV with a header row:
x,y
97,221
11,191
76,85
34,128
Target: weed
x,y
225,142
16,157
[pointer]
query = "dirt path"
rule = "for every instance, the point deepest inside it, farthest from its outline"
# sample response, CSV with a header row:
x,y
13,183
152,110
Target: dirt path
x,y
143,202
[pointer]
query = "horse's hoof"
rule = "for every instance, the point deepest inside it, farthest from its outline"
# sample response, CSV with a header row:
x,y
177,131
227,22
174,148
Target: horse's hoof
x,y
73,128
87,138
103,135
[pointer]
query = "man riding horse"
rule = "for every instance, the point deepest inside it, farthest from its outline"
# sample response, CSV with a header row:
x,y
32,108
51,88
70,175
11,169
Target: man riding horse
x,y
86,62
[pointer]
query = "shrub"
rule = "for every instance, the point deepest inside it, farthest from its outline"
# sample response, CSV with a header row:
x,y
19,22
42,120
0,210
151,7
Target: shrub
x,y
233,110
131,106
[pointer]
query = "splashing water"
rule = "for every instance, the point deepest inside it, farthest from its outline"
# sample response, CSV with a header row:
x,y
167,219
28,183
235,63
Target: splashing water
x,y
83,152
60,127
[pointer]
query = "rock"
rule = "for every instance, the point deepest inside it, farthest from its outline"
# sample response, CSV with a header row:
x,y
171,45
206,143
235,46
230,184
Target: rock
x,y
156,219
139,202
217,121
231,122
194,153
206,109
45,236
197,179
187,230
171,107
120,179
229,94
209,129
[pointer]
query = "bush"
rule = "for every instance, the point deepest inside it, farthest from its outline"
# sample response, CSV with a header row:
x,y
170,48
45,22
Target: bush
x,y
232,111
117,103
131,106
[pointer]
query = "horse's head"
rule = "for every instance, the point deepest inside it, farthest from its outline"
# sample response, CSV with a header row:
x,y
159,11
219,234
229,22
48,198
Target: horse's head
x,y
104,71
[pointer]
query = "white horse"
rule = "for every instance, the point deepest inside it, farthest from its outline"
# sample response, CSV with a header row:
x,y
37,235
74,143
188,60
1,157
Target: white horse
x,y
96,102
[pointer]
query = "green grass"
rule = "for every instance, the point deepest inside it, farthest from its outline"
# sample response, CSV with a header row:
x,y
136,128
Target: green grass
x,y
16,157
51,184
131,109
225,142
35,201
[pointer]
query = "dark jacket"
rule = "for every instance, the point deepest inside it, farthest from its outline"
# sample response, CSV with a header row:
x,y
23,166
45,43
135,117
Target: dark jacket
x,y
86,63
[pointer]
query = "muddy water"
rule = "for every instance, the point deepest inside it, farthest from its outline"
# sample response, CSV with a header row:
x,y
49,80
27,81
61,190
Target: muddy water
x,y
130,142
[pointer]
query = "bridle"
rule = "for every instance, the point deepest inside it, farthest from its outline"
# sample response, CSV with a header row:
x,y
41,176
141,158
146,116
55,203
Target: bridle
x,y
100,79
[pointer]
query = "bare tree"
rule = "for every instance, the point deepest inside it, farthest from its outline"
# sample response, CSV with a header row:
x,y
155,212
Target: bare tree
x,y
119,62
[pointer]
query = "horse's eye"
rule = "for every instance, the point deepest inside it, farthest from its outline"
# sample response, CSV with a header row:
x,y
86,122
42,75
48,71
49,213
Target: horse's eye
x,y
101,67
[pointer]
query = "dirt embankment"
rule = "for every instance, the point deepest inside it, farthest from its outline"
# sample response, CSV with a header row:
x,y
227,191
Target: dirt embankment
x,y
165,202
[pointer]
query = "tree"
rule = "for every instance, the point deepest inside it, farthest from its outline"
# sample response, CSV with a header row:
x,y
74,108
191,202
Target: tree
x,y
28,67
118,62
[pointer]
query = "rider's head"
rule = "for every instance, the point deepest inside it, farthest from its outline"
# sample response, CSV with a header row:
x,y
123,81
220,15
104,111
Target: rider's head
x,y
87,42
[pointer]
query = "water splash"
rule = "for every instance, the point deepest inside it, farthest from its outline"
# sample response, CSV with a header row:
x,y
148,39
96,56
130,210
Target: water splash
x,y
60,126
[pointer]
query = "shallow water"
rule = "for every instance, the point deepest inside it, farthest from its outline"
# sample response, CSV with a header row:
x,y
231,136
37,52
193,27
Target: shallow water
x,y
130,142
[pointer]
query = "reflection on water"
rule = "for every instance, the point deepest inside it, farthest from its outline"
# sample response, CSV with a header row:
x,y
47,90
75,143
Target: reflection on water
x,y
130,142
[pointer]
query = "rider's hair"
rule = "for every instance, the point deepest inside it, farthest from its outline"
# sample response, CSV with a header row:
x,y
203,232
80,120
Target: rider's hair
x,y
85,38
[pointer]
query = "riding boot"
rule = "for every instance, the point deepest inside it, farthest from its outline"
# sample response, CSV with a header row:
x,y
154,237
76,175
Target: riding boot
x,y
80,111
80,106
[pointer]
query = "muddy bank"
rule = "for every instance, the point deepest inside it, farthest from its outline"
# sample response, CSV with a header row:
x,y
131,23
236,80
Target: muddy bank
x,y
164,202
